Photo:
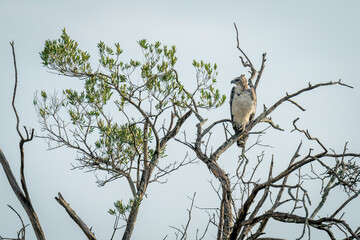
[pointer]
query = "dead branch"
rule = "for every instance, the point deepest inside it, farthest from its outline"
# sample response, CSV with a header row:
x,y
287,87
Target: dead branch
x,y
270,121
296,104
21,193
208,129
22,139
87,231
21,232
290,96
318,223
261,70
307,134
184,230
243,211
248,62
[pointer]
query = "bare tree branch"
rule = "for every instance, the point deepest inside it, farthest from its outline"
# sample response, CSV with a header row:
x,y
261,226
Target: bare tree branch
x,y
21,232
270,121
21,193
87,231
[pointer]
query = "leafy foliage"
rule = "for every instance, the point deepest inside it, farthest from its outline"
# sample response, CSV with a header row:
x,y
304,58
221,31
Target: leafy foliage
x,y
116,123
120,209
64,56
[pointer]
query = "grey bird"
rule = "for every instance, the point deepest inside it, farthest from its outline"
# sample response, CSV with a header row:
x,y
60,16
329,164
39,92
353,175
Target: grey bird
x,y
242,106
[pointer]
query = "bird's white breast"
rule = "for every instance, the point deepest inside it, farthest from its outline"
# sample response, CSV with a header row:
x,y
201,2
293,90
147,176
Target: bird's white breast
x,y
242,106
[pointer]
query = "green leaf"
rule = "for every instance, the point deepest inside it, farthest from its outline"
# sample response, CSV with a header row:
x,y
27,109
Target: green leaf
x,y
43,94
111,212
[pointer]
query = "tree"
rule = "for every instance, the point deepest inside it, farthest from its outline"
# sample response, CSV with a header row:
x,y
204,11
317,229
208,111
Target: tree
x,y
127,113
153,106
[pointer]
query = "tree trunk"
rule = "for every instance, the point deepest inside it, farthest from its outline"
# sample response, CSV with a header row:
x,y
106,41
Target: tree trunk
x,y
25,202
132,218
228,219
135,207
139,196
226,216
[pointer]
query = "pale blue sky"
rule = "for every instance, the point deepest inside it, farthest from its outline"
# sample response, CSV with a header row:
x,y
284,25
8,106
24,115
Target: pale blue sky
x,y
306,41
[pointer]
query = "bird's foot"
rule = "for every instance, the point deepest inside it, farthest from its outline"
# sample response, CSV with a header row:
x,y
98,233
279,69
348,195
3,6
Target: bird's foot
x,y
237,127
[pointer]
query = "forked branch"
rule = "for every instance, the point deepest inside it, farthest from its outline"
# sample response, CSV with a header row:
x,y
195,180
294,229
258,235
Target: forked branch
x,y
21,193
249,64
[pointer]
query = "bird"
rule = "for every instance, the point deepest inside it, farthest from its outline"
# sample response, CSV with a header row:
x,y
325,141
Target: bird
x,y
242,106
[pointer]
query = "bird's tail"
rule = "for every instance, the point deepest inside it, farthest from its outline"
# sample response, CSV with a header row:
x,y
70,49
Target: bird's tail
x,y
242,141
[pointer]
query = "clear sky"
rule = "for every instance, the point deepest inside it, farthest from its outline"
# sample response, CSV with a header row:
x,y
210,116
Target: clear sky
x,y
306,41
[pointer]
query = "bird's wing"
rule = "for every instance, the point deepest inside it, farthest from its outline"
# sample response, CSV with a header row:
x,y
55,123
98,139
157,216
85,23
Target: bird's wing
x,y
252,116
231,102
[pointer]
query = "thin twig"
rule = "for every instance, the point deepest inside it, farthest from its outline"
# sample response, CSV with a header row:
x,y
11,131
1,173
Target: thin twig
x,y
22,230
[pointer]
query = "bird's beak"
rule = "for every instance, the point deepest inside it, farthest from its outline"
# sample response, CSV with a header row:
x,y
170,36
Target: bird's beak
x,y
233,81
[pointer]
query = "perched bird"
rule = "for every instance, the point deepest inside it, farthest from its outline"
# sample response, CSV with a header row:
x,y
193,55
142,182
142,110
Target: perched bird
x,y
242,106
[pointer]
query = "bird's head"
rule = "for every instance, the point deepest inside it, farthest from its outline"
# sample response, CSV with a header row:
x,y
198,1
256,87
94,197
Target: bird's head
x,y
241,81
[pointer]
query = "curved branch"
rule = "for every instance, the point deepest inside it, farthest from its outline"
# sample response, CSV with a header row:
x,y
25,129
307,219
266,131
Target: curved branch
x,y
14,92
22,230
249,64
307,134
213,125
289,96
